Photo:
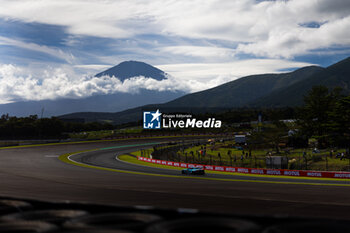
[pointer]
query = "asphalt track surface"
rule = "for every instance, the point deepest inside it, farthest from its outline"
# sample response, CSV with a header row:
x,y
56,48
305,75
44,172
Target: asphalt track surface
x,y
36,172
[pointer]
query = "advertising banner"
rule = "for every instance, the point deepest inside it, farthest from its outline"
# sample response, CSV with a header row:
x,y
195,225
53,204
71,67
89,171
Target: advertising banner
x,y
256,171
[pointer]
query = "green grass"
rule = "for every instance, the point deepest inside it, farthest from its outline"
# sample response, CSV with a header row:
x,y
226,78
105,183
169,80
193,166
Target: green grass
x,y
9,143
130,130
93,135
213,151
149,151
136,153
258,159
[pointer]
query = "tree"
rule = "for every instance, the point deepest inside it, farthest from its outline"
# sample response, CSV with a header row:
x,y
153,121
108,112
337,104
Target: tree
x,y
315,115
255,139
274,134
339,124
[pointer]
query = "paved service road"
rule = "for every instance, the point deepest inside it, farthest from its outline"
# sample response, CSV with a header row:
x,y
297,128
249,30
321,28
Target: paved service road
x,y
36,172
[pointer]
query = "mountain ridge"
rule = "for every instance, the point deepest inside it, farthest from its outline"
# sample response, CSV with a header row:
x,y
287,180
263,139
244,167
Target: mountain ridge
x,y
129,69
336,75
290,88
243,90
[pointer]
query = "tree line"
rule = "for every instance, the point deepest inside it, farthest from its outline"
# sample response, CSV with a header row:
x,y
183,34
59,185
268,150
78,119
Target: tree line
x,y
32,127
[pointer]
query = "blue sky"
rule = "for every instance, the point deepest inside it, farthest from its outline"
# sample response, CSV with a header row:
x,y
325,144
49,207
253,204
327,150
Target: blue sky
x,y
55,46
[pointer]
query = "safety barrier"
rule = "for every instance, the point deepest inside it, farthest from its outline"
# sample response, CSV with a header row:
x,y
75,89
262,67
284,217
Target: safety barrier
x,y
255,171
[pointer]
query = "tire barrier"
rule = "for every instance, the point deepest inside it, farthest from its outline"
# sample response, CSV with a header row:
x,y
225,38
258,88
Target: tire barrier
x,y
12,206
126,221
98,231
207,224
27,226
309,227
56,217
51,216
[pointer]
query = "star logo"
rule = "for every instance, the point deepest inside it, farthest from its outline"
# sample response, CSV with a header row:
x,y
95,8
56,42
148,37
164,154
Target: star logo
x,y
151,120
156,115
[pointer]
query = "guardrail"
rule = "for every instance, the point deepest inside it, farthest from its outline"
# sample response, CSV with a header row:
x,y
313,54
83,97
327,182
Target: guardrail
x,y
255,171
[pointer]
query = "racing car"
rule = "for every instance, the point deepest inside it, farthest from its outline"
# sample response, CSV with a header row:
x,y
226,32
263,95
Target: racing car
x,y
193,171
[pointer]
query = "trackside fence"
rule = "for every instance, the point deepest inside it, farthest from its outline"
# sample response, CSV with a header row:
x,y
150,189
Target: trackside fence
x,y
256,171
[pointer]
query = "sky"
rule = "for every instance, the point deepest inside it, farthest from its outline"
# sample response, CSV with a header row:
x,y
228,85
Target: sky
x,y
51,49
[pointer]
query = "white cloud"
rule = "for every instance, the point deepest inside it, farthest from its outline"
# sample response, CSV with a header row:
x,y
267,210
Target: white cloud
x,y
55,52
95,18
20,83
93,67
16,84
206,52
290,42
268,28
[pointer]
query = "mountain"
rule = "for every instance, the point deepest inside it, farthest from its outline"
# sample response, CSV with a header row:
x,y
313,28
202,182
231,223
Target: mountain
x,y
241,92
266,90
336,75
101,103
129,69
133,114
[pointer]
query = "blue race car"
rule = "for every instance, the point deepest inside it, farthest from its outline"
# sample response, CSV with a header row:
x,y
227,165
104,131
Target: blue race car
x,y
193,171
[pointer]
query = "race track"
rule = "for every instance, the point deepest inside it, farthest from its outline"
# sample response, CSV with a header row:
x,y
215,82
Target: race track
x,y
36,172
